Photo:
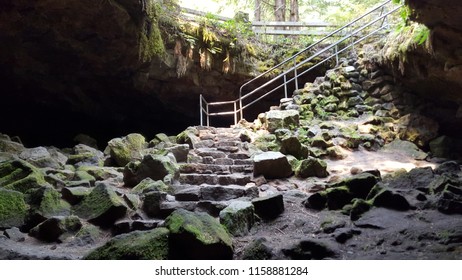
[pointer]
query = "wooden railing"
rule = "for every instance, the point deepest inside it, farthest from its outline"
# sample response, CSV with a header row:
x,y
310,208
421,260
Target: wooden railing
x,y
273,27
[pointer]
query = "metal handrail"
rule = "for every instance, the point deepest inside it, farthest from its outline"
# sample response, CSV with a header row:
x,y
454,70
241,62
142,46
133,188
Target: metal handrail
x,y
238,103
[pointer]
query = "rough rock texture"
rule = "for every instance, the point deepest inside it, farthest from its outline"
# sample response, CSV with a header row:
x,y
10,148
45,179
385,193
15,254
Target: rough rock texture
x,y
197,236
238,217
272,165
13,208
137,245
433,69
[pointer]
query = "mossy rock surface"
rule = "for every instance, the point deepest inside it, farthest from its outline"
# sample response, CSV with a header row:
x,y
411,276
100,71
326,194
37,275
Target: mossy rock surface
x,y
13,208
102,206
312,167
197,236
156,167
123,150
238,217
149,184
137,245
56,229
47,202
20,176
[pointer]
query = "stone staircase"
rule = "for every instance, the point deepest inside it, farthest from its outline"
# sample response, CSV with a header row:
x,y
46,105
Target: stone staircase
x,y
219,169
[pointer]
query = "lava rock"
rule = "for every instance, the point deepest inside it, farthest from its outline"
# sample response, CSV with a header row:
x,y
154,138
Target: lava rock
x,y
137,245
155,167
258,250
238,217
197,236
391,200
123,150
310,249
56,229
15,234
276,119
317,201
311,167
13,208
102,206
272,165
269,207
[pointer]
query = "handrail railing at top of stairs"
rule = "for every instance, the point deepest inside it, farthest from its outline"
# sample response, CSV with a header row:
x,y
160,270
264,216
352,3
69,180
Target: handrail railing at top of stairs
x,y
238,103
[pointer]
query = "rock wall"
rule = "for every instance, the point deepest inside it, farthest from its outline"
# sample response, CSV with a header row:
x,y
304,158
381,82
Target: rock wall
x,y
434,69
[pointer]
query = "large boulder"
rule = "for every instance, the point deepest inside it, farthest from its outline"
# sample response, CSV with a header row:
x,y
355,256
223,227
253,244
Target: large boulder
x,y
123,150
405,148
269,207
56,229
102,206
9,146
156,167
137,245
272,165
41,157
238,217
13,208
312,167
46,202
292,146
197,236
276,119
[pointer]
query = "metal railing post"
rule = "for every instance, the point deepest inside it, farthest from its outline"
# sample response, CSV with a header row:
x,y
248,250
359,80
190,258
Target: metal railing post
x,y
240,105
208,116
336,55
295,74
200,110
235,113
285,86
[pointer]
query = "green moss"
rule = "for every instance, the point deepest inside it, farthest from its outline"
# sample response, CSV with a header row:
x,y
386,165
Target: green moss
x,y
98,202
138,245
13,208
123,150
151,42
150,185
20,176
202,226
47,202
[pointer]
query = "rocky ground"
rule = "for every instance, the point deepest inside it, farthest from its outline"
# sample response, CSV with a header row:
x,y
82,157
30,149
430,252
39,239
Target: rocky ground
x,y
336,172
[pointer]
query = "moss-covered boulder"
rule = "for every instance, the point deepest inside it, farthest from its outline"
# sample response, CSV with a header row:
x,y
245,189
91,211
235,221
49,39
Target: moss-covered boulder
x,y
9,146
276,119
292,146
312,167
360,185
151,203
123,150
102,206
190,136
74,195
41,157
13,208
417,129
197,236
21,176
238,217
148,185
47,202
156,167
137,245
56,229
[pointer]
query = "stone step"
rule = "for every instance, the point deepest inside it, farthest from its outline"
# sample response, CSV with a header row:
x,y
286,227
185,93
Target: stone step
x,y
210,152
202,168
214,179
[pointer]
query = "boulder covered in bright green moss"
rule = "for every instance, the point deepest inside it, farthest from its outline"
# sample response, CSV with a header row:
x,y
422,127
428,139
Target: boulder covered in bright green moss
x,y
156,167
276,119
13,208
102,206
21,176
123,150
197,236
312,167
137,245
47,202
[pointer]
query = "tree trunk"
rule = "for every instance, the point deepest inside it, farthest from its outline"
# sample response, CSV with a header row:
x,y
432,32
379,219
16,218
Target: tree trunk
x,y
294,15
257,11
280,10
